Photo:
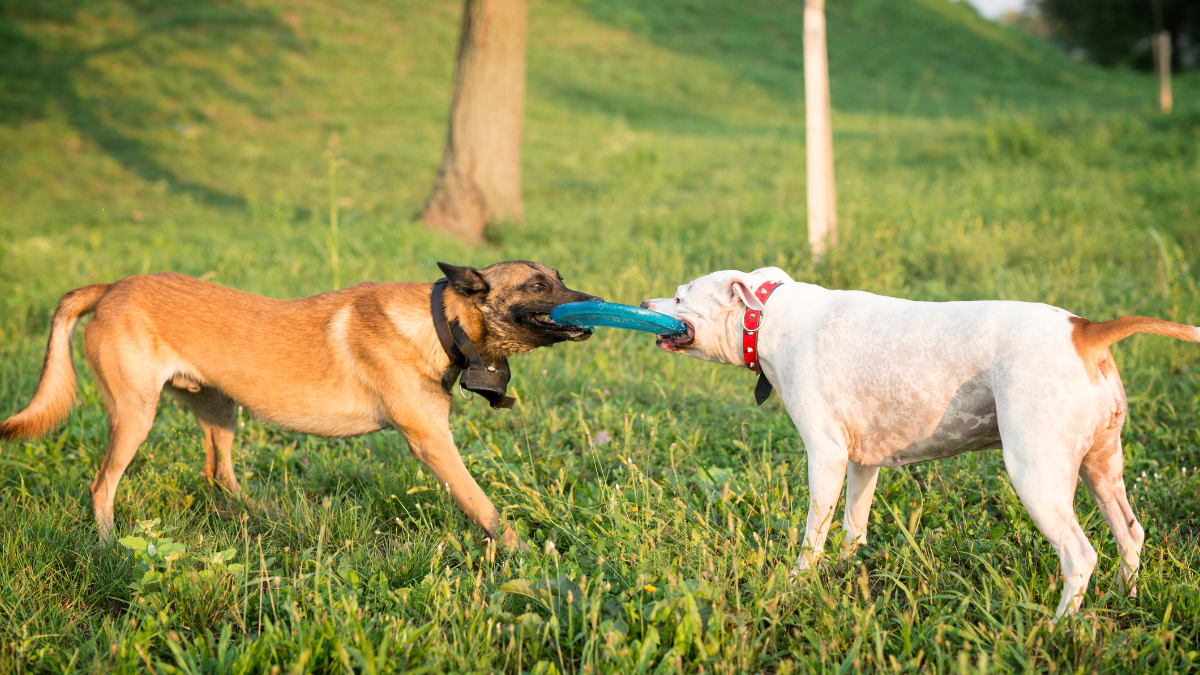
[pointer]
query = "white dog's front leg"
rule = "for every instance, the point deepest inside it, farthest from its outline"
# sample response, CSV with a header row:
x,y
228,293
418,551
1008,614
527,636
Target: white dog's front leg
x,y
860,490
826,467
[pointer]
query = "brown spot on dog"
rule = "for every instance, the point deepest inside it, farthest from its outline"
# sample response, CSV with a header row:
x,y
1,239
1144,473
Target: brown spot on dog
x,y
1092,340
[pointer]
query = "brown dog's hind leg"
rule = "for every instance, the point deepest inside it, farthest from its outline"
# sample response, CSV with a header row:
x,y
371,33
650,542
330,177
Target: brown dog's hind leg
x,y
1102,472
217,415
130,416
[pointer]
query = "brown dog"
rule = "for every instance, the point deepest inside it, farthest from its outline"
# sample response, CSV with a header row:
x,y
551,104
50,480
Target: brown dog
x,y
338,364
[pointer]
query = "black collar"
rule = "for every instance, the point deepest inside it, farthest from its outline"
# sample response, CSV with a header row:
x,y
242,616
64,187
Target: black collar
x,y
491,382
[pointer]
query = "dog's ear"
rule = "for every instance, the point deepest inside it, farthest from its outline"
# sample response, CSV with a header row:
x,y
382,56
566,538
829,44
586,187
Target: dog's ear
x,y
742,288
773,274
466,281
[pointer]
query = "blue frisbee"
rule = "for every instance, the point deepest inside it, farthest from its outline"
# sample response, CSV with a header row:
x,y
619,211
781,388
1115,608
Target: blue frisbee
x,y
615,315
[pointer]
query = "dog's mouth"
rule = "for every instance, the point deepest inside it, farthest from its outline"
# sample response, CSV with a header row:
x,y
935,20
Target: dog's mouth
x,y
679,341
543,321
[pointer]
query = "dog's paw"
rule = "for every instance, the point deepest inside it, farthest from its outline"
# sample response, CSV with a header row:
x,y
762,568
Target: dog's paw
x,y
848,552
805,562
511,541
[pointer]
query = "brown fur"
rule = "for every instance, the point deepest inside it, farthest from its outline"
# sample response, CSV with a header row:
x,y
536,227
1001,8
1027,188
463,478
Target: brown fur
x,y
1092,340
55,394
336,364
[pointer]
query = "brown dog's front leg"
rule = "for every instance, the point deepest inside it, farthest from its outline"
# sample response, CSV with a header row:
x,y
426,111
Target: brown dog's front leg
x,y
436,450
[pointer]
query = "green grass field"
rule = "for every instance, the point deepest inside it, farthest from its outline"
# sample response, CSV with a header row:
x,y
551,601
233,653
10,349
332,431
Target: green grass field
x,y
662,141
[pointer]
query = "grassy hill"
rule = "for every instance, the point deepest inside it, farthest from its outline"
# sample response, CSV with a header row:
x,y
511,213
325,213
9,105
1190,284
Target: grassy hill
x,y
662,141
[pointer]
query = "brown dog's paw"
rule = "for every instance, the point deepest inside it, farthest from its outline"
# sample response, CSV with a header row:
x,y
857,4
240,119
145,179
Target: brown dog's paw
x,y
511,541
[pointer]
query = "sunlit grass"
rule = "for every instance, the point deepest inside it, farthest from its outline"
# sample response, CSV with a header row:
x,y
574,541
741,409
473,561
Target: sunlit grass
x,y
659,145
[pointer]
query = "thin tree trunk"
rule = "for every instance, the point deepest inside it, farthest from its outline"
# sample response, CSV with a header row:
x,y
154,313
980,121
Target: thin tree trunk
x,y
479,180
1162,59
822,196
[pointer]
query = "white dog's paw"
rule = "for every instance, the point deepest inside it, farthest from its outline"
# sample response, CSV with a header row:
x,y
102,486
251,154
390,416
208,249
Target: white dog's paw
x,y
799,572
850,551
804,563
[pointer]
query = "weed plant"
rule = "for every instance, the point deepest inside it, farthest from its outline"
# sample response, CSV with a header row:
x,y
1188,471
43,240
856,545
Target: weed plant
x,y
661,505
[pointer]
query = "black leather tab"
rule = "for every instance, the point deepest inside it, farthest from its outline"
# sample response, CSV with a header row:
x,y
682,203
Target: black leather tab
x,y
762,390
490,383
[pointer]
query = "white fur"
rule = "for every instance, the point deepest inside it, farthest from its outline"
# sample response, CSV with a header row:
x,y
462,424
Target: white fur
x,y
873,381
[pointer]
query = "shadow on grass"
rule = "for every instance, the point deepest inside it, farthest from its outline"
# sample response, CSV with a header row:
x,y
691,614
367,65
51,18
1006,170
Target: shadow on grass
x,y
954,60
648,112
45,67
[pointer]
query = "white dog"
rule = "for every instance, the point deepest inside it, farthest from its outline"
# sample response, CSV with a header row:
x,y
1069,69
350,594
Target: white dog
x,y
874,381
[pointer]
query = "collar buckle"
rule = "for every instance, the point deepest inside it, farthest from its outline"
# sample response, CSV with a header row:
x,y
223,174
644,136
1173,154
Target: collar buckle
x,y
751,321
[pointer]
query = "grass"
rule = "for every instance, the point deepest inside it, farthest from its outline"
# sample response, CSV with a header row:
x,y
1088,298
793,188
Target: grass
x,y
661,142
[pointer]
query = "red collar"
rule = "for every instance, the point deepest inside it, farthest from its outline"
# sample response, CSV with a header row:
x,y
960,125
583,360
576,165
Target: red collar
x,y
751,322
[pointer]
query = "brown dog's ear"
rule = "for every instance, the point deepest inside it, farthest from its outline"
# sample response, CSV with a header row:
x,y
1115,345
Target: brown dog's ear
x,y
466,281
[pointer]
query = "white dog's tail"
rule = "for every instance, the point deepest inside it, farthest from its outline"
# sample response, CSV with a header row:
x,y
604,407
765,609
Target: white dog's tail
x,y
55,393
1101,335
1093,339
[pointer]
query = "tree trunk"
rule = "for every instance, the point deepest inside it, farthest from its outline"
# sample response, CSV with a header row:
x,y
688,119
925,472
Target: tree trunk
x,y
822,196
479,180
1161,44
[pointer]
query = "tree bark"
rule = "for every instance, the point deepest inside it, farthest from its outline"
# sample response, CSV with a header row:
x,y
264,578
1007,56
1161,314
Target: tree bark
x,y
822,196
479,180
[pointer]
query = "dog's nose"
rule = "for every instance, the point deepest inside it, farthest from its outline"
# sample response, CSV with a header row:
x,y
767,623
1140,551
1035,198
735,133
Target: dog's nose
x,y
595,298
645,304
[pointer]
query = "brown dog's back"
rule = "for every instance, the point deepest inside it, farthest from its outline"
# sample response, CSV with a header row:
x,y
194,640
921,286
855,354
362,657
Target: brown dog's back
x,y
183,330
290,354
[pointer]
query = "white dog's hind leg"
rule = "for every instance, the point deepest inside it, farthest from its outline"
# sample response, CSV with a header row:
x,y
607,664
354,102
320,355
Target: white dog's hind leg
x,y
826,470
860,490
1046,487
1102,473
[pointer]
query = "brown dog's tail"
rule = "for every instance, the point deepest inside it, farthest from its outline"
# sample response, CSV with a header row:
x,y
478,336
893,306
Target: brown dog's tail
x,y
55,394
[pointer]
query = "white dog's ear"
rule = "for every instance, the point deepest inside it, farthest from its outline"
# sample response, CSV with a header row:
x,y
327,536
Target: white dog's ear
x,y
742,288
773,274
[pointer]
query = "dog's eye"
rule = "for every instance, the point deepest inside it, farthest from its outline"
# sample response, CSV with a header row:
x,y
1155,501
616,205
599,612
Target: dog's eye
x,y
539,286
677,301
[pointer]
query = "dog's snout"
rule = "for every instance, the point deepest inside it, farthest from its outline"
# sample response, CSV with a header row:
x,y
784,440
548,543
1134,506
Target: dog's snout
x,y
645,304
580,296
